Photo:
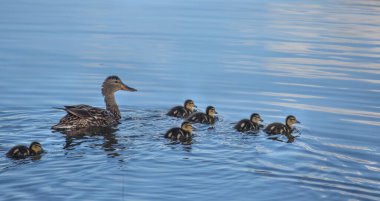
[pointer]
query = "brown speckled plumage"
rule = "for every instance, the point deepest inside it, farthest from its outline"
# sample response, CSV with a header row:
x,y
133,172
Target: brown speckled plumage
x,y
85,116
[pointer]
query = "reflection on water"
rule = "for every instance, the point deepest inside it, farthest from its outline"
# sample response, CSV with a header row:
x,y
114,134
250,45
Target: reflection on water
x,y
327,109
359,121
107,135
318,61
289,138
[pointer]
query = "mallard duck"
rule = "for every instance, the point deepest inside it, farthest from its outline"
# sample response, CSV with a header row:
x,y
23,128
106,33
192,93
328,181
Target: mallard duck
x,y
85,116
183,134
21,151
183,111
204,118
280,128
252,124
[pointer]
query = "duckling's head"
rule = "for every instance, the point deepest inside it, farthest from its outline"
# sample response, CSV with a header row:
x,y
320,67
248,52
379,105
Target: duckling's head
x,y
290,120
187,126
189,105
113,84
210,110
35,148
255,118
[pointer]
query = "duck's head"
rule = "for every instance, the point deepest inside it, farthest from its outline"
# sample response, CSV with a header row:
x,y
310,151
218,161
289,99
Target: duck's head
x,y
255,118
291,120
113,84
187,126
210,110
35,148
189,105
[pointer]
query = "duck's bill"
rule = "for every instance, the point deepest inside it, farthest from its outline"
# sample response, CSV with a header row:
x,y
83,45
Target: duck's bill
x,y
261,120
127,88
298,122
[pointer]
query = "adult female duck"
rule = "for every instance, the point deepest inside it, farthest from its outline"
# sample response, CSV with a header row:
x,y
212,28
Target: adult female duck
x,y
85,116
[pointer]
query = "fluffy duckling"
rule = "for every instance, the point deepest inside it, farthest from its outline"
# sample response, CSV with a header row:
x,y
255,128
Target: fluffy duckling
x,y
85,116
21,151
183,111
252,124
204,118
183,134
279,128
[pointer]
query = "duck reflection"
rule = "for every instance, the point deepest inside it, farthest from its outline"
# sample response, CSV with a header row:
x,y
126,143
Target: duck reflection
x,y
77,137
280,137
36,157
185,146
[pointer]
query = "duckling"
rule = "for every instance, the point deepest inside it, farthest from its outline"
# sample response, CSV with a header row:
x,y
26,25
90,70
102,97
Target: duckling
x,y
183,134
252,124
279,128
21,151
183,111
204,118
85,116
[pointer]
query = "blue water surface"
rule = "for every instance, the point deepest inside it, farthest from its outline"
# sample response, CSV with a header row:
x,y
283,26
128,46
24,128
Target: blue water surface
x,y
317,60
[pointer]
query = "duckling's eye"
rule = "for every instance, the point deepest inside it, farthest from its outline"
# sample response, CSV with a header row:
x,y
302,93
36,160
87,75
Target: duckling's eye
x,y
116,81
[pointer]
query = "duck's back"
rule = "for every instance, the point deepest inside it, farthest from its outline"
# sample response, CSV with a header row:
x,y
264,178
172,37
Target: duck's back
x,y
277,128
245,125
178,111
18,152
199,117
85,116
177,134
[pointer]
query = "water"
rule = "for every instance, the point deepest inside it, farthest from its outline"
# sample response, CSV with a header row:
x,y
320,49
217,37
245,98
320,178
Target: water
x,y
316,60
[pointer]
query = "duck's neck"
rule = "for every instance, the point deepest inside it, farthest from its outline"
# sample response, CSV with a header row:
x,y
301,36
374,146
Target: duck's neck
x,y
254,123
189,112
211,119
288,123
290,127
111,105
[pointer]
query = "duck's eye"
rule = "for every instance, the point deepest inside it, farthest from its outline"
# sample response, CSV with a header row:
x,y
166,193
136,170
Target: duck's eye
x,y
116,81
